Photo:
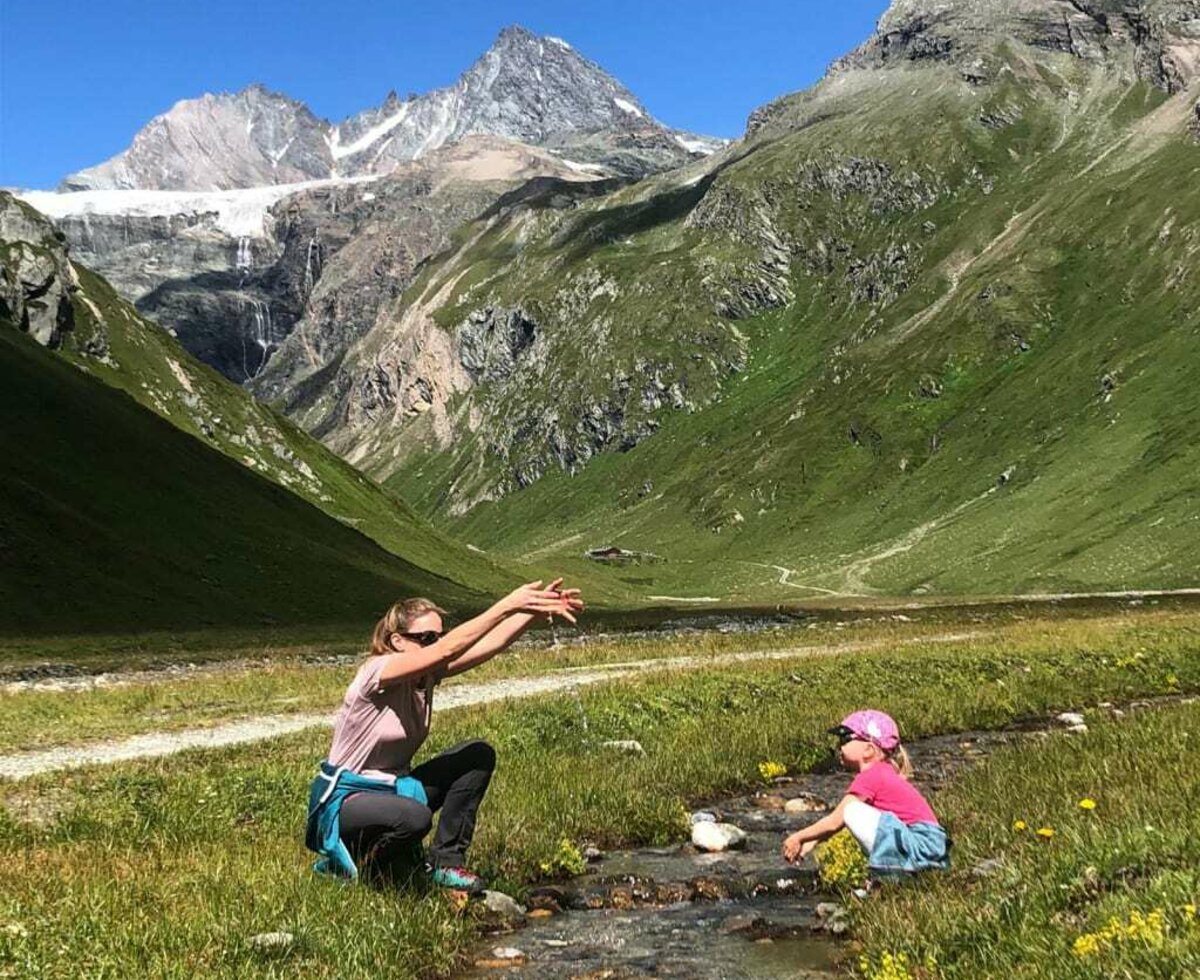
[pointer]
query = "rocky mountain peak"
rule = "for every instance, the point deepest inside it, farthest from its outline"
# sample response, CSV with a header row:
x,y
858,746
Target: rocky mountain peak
x,y
220,141
527,87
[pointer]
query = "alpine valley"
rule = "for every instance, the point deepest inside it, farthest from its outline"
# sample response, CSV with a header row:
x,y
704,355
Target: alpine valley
x,y
929,326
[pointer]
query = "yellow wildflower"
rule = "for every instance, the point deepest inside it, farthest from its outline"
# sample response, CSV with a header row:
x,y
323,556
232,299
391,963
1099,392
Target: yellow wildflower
x,y
1150,930
1045,832
1019,825
841,861
770,770
1087,804
890,967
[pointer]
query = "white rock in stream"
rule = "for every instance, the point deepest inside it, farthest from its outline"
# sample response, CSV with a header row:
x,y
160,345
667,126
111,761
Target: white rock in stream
x,y
717,836
507,953
503,905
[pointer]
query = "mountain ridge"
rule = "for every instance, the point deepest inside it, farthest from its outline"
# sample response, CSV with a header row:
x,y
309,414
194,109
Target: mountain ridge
x,y
533,89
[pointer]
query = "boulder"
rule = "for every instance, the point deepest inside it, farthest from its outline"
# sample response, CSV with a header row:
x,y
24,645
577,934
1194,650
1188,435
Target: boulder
x,y
718,836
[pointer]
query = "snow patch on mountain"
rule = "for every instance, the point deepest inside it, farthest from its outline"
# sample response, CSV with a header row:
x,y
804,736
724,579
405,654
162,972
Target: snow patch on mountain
x,y
238,213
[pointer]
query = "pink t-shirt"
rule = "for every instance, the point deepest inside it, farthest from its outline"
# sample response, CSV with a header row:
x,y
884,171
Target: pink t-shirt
x,y
378,730
884,788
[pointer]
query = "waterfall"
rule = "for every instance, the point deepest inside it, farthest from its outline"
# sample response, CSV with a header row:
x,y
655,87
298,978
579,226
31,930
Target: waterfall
x,y
314,247
260,331
245,260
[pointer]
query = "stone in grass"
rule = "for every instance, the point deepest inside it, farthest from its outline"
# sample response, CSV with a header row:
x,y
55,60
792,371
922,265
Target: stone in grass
x,y
988,867
1074,721
592,854
629,745
273,942
503,906
718,836
805,804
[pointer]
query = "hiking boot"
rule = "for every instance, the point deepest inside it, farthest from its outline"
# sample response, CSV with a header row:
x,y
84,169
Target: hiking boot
x,y
459,879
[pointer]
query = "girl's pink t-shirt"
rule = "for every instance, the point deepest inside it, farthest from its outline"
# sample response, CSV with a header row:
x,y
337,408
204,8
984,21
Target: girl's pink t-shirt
x,y
378,730
884,788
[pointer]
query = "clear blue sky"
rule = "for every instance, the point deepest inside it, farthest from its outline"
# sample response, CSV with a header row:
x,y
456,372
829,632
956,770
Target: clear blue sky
x,y
79,77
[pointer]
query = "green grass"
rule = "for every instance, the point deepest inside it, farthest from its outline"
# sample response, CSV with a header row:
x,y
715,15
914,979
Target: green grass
x,y
166,868
1134,853
111,518
274,680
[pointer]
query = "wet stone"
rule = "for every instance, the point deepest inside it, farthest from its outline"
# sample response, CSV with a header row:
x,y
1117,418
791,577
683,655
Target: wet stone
x,y
717,836
742,922
502,906
805,803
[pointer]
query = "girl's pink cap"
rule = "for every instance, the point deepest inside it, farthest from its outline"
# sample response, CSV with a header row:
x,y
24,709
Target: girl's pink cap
x,y
873,726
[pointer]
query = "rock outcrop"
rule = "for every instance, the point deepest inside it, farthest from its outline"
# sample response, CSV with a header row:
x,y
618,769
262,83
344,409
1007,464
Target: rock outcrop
x,y
36,277
1160,39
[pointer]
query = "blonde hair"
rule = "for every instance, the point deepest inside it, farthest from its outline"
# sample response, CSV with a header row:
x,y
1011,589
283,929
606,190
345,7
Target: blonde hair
x,y
398,619
900,761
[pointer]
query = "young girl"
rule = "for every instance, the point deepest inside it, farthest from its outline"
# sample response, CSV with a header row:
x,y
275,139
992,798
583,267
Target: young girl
x,y
887,815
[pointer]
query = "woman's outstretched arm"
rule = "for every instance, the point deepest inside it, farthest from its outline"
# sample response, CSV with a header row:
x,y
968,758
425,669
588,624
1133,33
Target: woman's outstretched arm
x,y
500,637
530,598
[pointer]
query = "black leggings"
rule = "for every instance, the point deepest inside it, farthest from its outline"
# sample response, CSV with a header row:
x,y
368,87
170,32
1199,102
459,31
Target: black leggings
x,y
376,824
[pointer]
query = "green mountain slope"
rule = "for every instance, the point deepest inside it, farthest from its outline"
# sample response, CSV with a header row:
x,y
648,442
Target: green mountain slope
x,y
113,520
929,328
107,338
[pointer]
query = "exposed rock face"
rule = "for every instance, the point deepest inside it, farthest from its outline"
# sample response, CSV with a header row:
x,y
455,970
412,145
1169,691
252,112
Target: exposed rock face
x,y
354,253
1160,38
36,277
490,341
236,207
233,273
533,89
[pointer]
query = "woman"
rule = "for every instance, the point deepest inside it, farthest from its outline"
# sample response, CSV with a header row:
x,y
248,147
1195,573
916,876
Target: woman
x,y
367,807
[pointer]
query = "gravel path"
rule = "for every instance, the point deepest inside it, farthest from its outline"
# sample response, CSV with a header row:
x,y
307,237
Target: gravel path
x,y
21,765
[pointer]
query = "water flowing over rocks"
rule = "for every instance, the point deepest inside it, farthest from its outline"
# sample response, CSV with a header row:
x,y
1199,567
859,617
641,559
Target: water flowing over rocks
x,y
678,911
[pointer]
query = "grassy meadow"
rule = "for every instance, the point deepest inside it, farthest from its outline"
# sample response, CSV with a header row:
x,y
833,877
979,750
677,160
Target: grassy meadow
x,y
167,868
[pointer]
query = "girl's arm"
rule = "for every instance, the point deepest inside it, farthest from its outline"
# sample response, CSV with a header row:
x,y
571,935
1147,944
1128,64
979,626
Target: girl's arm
x,y
801,843
529,598
502,636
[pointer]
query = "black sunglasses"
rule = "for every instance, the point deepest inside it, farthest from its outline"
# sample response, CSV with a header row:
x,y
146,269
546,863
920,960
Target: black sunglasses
x,y
844,735
426,638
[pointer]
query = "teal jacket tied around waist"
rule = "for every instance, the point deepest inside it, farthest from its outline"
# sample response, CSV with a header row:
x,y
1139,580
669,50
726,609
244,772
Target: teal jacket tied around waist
x,y
322,832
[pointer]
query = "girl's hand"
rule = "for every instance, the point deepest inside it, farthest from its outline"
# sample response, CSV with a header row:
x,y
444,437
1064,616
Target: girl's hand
x,y
795,849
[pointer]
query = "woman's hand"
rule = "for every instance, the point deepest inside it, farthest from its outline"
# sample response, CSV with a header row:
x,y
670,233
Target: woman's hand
x,y
532,598
571,602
